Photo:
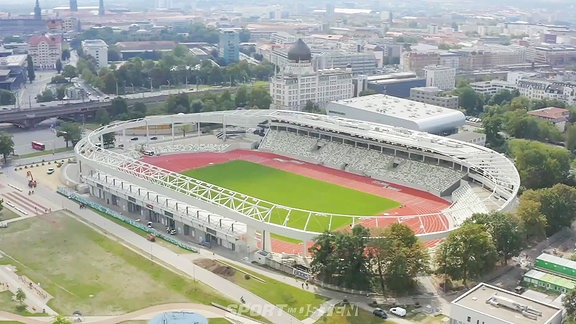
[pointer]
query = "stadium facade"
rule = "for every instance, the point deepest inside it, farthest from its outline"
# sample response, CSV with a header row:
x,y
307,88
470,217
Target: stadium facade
x,y
475,178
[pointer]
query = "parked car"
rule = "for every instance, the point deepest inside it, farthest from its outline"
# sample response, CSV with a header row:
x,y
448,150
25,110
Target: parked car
x,y
378,312
134,139
50,171
398,311
153,138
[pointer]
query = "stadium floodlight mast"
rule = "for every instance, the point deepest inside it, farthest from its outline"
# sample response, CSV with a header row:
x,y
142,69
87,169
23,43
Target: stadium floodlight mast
x,y
491,169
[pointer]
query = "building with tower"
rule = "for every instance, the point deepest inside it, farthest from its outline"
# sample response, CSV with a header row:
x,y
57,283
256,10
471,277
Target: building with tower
x,y
229,46
74,5
299,83
37,11
101,8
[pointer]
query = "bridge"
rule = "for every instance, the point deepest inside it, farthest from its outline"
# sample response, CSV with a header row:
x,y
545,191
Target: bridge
x,y
27,118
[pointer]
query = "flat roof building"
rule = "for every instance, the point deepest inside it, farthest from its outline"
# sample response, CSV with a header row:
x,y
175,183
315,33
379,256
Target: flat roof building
x,y
399,112
486,304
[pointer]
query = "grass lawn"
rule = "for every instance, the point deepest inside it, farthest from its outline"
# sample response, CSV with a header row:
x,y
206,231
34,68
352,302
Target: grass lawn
x,y
295,191
6,214
11,306
86,271
350,315
46,152
218,320
276,292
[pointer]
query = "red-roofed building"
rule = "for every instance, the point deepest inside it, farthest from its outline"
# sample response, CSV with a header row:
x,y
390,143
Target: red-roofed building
x,y
556,116
45,50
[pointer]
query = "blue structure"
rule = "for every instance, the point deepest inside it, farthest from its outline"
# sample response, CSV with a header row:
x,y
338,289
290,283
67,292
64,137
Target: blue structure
x,y
395,84
229,47
179,318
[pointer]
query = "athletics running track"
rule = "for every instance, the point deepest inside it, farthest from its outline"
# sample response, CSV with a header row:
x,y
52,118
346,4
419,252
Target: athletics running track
x,y
414,202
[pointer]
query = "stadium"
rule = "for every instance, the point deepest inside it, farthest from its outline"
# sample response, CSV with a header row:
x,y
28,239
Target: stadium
x,y
274,180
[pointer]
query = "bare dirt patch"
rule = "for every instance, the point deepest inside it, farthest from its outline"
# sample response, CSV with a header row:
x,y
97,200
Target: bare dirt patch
x,y
216,267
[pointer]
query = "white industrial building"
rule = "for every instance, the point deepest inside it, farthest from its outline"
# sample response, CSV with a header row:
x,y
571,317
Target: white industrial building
x,y
299,83
399,112
486,304
441,77
434,96
98,49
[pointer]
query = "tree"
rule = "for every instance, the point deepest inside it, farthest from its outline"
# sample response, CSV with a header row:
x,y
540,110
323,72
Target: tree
x,y
467,253
61,319
260,97
69,72
65,54
569,303
397,257
1,205
139,109
340,258
471,101
241,97
70,132
178,104
46,96
102,117
557,205
118,107
540,165
507,232
60,93
529,212
58,66
7,97
185,128
571,139
30,68
108,140
6,145
20,296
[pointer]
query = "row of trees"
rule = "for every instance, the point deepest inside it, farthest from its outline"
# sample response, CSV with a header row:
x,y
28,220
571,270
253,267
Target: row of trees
x,y
353,260
176,68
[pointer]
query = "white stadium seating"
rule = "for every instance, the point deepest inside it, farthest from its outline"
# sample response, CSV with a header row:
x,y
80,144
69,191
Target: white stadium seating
x,y
433,178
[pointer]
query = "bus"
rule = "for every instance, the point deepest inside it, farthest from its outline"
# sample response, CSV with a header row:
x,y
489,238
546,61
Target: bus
x,y
38,146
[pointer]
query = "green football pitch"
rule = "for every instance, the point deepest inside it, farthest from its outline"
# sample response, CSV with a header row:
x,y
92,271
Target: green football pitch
x,y
296,191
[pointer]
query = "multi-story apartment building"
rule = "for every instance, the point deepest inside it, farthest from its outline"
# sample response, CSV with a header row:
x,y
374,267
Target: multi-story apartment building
x,y
45,50
299,83
434,96
229,49
545,89
442,77
490,56
98,49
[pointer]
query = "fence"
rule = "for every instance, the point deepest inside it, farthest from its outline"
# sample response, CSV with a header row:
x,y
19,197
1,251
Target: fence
x,y
72,195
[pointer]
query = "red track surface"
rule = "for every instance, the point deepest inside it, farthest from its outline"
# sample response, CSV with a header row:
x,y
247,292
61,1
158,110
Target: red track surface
x,y
414,202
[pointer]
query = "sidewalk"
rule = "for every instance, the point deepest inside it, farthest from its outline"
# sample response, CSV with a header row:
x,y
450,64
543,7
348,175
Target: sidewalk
x,y
161,253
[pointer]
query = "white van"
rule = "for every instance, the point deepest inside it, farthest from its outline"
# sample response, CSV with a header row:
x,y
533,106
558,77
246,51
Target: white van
x,y
149,153
398,311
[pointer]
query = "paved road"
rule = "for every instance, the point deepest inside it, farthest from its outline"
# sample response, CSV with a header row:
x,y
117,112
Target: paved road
x,y
163,254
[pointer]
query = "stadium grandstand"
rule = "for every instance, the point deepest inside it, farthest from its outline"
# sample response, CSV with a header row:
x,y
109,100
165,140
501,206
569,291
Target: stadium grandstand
x,y
461,178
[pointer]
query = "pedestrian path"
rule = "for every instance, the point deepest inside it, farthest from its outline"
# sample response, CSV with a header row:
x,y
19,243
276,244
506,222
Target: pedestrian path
x,y
36,297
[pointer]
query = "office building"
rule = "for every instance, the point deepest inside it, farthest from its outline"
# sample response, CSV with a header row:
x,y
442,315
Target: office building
x,y
299,83
45,50
399,112
492,87
229,46
486,304
470,137
98,49
361,63
417,61
73,5
101,11
434,96
441,77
